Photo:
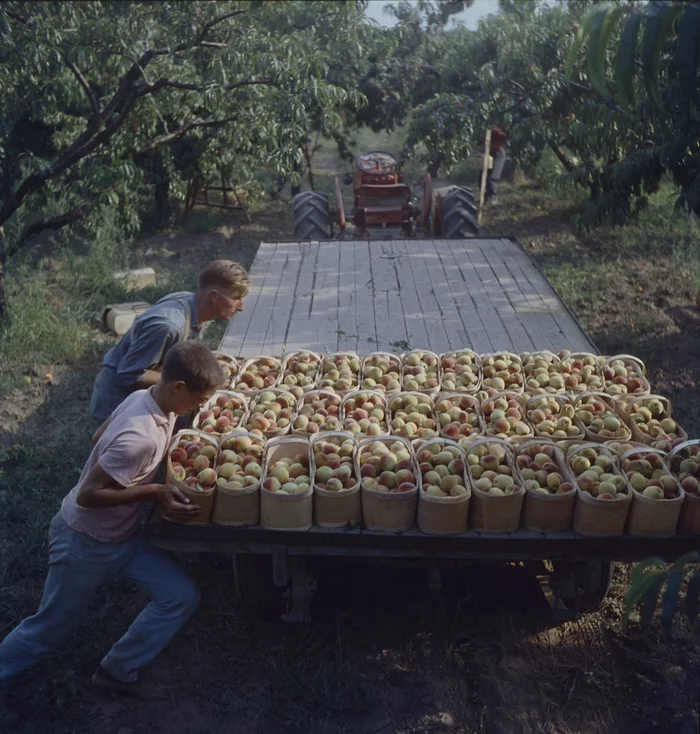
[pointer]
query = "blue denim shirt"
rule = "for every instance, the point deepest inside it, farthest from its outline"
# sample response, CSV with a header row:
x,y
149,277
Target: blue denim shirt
x,y
171,320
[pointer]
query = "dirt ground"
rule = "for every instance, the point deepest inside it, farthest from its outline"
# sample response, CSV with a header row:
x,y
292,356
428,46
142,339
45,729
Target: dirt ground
x,y
384,655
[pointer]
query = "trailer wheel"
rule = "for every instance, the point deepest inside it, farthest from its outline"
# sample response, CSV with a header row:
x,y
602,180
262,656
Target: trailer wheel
x,y
255,589
311,216
458,214
596,579
591,584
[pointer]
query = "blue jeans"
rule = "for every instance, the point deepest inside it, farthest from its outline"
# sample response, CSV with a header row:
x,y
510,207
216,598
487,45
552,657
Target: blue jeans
x,y
78,566
499,161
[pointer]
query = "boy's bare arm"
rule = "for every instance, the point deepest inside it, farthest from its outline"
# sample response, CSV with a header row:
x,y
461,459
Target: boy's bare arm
x,y
97,435
100,490
150,378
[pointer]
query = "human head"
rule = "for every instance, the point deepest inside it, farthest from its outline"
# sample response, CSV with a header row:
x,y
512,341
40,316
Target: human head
x,y
190,375
223,284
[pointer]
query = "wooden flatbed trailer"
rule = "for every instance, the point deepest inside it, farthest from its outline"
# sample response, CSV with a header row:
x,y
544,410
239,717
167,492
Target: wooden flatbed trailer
x,y
392,295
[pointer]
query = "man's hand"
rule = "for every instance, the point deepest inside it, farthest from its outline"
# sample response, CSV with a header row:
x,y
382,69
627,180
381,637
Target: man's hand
x,y
176,504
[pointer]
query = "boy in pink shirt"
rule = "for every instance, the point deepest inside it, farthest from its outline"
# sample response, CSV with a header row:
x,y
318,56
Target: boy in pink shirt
x,y
96,534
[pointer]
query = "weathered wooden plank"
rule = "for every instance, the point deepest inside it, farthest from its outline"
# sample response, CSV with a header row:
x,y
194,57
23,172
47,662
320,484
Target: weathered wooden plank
x,y
398,340
383,266
347,295
438,336
533,333
465,306
572,334
416,325
389,322
254,340
457,336
479,281
364,303
234,336
301,309
275,337
324,305
541,325
480,255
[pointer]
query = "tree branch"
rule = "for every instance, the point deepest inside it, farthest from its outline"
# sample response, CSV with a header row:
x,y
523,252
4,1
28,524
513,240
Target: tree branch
x,y
62,220
201,36
16,15
131,88
175,134
87,89
559,153
197,87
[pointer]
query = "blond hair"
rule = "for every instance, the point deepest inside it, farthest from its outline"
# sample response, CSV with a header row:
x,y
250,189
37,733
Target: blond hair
x,y
227,275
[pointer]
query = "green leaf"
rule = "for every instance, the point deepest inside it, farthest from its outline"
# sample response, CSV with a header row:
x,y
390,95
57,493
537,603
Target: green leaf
x,y
650,599
637,593
626,57
657,25
670,601
688,51
601,27
692,598
689,557
578,41
642,579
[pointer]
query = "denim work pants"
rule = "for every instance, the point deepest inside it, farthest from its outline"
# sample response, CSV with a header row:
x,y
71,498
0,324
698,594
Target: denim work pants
x,y
78,566
499,160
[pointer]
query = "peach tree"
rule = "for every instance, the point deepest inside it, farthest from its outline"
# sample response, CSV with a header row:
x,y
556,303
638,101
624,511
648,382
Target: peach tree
x,y
510,72
102,102
646,58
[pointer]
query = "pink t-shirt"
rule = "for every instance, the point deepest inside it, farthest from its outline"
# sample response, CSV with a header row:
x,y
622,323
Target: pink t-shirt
x,y
130,451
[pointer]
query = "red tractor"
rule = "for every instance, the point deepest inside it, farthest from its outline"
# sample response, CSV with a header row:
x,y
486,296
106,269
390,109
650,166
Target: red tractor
x,y
383,202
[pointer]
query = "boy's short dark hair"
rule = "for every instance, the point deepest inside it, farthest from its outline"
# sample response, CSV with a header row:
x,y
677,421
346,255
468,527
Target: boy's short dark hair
x,y
194,364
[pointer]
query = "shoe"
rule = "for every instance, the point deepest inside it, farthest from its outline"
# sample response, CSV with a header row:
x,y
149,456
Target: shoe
x,y
106,683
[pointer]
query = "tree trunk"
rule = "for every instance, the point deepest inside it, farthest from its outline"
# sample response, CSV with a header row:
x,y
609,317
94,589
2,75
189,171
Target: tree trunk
x,y
307,156
4,313
296,188
559,153
161,177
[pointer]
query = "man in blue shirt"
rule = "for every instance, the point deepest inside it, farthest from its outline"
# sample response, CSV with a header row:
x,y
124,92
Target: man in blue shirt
x,y
134,363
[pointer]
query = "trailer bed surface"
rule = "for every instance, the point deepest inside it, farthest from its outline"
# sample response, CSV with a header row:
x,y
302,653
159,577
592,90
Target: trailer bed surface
x,y
392,295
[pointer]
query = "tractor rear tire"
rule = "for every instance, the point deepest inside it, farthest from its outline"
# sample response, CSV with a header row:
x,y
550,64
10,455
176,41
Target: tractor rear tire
x,y
459,214
311,216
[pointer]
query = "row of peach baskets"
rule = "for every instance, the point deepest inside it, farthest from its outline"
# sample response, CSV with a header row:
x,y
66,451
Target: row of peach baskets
x,y
462,371
390,483
594,416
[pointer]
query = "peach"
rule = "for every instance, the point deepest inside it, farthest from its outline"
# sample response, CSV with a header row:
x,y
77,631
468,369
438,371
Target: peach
x,y
206,477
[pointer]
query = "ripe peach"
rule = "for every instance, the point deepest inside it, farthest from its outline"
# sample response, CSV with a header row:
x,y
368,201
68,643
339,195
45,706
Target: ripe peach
x,y
206,477
178,455
334,485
